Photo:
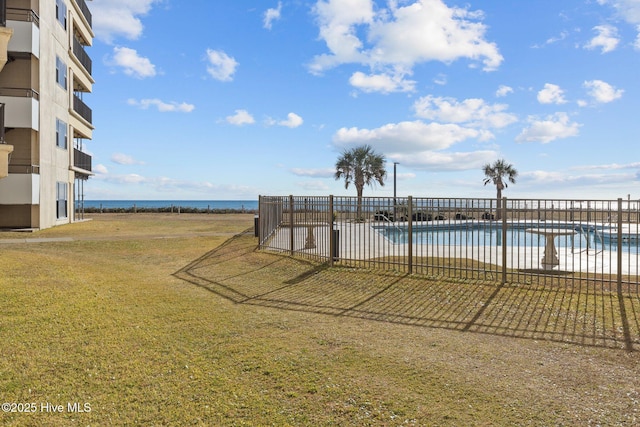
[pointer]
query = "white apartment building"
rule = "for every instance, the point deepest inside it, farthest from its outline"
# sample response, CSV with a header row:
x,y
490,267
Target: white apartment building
x,y
46,72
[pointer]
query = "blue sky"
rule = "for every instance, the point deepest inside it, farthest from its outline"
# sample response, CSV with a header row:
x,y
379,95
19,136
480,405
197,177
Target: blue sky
x,y
227,99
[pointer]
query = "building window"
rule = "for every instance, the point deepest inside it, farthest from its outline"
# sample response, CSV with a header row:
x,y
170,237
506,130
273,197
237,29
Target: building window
x,y
61,73
61,13
61,200
61,134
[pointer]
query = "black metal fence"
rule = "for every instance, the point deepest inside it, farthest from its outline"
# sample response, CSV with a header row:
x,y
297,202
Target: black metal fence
x,y
508,240
82,109
82,160
82,55
85,11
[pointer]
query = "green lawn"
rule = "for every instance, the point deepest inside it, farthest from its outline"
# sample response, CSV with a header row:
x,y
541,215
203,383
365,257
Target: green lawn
x,y
153,319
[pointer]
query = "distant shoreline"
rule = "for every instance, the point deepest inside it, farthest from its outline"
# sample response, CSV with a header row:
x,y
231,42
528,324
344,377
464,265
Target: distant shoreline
x,y
168,206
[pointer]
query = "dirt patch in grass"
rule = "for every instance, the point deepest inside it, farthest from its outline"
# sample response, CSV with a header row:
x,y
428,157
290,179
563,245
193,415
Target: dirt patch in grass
x,y
167,320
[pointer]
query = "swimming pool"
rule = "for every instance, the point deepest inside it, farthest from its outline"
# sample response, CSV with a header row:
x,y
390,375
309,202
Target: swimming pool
x,y
489,234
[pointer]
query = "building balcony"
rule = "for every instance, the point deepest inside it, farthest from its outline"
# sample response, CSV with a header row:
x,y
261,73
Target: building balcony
x,y
81,22
81,55
84,10
82,80
80,119
26,31
81,162
22,108
82,109
20,189
80,67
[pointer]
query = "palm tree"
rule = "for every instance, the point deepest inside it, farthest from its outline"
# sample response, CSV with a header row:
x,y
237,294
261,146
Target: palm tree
x,y
496,173
360,166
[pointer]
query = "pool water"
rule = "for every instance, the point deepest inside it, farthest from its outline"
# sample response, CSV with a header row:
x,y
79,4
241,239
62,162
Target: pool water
x,y
488,235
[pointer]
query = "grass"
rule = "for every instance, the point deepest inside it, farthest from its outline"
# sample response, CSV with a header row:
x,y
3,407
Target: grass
x,y
160,319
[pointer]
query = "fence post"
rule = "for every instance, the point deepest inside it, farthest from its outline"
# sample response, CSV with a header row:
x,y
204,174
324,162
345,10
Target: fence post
x,y
410,233
256,221
503,213
619,248
291,236
332,238
626,330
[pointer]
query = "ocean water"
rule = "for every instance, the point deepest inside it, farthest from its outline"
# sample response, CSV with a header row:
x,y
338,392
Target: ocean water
x,y
155,204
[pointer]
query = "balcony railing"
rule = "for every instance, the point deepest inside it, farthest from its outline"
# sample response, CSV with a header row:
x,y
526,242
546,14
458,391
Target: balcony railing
x,y
81,108
19,92
81,160
24,15
24,169
81,54
85,10
3,13
2,141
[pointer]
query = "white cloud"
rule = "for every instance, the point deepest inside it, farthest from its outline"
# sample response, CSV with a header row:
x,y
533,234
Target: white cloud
x,y
503,91
133,64
100,169
545,177
440,79
611,166
445,161
221,66
429,30
472,112
602,92
272,15
419,145
242,117
127,179
551,94
392,40
293,121
606,40
563,35
629,10
549,129
383,83
563,180
316,173
119,18
406,136
162,106
313,186
124,159
337,21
